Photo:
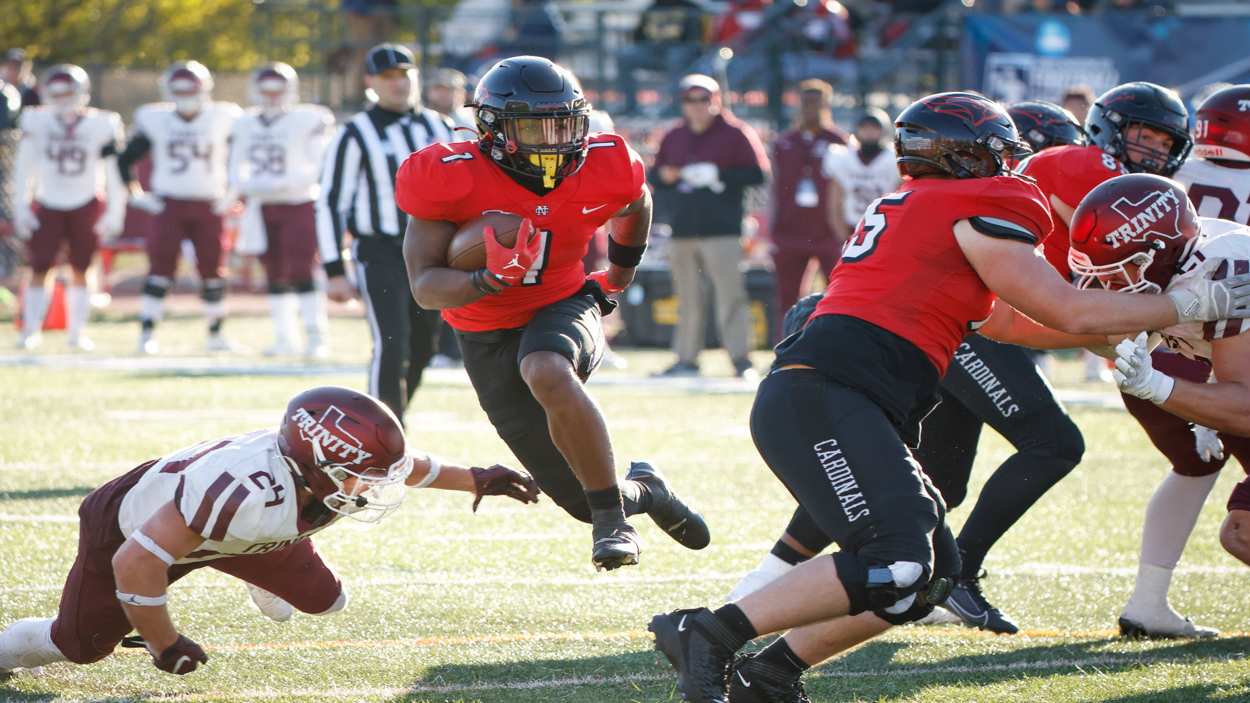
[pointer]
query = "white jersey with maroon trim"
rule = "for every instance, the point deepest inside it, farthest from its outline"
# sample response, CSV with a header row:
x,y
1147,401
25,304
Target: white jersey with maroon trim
x,y
278,160
1220,240
188,155
861,183
1217,191
235,492
69,154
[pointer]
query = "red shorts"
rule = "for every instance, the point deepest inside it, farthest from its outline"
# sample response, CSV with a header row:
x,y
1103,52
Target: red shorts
x,y
75,228
91,622
291,253
187,219
1170,434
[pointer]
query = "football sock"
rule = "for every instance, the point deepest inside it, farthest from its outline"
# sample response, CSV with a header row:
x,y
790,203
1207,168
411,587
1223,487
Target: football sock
x,y
77,310
605,505
282,314
34,305
312,308
1008,494
779,655
732,617
1170,518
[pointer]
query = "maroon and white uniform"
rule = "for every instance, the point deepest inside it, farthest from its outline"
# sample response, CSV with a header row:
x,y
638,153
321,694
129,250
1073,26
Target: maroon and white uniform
x,y
1217,191
275,164
237,493
64,172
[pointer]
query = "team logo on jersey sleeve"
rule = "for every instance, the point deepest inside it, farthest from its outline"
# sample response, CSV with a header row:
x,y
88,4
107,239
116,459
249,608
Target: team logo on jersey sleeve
x,y
1156,214
328,433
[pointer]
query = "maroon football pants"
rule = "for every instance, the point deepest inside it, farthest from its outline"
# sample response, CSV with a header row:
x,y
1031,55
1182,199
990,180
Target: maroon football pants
x,y
291,251
187,219
91,622
75,229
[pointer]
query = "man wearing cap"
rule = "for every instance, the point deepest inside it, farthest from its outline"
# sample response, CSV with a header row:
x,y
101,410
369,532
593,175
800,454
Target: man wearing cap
x,y
860,173
358,197
801,230
16,71
704,166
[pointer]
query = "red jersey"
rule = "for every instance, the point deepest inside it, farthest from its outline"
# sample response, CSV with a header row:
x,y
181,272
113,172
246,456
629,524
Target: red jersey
x,y
457,183
904,272
1068,173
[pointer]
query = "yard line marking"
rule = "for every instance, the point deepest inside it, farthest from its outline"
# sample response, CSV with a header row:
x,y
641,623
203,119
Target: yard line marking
x,y
626,679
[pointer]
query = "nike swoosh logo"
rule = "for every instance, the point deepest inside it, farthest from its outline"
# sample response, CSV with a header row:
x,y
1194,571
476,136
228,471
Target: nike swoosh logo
x,y
588,210
681,624
745,683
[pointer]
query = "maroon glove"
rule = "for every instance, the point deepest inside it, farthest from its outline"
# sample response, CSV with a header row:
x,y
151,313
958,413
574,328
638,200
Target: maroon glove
x,y
500,480
181,657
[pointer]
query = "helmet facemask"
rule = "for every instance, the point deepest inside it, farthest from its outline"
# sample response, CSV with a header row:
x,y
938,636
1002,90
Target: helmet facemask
x,y
375,493
1115,276
546,146
64,97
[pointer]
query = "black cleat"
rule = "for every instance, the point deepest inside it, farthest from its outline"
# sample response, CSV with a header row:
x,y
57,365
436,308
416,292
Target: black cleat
x,y
671,513
615,545
968,602
693,641
753,681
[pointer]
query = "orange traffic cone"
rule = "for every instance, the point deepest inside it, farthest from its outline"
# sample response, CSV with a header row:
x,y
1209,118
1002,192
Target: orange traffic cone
x,y
54,318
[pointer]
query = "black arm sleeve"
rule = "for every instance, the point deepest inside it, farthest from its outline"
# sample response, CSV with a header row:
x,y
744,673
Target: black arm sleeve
x,y
136,149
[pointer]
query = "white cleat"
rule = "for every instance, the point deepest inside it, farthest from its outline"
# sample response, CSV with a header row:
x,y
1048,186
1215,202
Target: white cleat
x,y
148,346
30,342
940,616
279,348
1162,624
81,343
270,605
218,343
770,568
317,351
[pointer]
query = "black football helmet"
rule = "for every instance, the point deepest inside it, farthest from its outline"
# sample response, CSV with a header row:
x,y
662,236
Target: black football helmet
x,y
957,135
1044,125
1145,104
533,120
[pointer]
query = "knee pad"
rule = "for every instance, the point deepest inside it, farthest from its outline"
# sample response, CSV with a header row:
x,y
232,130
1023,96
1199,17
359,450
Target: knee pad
x,y
877,586
275,288
306,286
156,286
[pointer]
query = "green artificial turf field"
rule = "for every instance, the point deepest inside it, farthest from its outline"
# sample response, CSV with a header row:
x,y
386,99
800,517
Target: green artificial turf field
x,y
504,606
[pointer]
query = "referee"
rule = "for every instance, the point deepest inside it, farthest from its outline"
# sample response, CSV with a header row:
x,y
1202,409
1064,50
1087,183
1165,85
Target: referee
x,y
358,196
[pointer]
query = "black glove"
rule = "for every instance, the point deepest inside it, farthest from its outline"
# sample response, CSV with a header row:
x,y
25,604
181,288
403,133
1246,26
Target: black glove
x,y
500,480
181,657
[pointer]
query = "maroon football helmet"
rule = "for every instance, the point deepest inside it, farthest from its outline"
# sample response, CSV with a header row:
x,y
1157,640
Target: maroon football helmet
x,y
1222,125
331,435
274,87
65,87
1131,233
188,85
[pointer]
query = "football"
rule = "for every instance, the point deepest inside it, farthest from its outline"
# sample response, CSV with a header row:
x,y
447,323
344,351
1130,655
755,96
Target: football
x,y
467,251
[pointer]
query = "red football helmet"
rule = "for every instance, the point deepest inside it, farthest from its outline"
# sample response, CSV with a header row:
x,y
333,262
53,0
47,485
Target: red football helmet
x,y
65,87
1222,125
188,85
331,435
1131,233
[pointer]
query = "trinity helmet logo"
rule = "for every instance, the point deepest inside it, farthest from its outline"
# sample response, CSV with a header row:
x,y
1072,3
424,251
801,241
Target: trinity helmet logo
x,y
1157,214
328,434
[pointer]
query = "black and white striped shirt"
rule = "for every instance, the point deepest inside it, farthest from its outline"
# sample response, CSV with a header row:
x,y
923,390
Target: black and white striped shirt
x,y
358,177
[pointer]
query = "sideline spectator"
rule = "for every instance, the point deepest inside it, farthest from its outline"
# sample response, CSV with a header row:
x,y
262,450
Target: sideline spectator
x,y
368,23
668,39
445,92
801,228
860,173
16,71
1078,99
707,162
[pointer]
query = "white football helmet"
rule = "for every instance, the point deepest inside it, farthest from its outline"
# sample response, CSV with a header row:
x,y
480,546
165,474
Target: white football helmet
x,y
65,88
188,85
274,87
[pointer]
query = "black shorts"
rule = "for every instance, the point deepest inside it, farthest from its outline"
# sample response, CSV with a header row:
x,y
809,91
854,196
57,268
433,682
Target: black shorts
x,y
572,328
844,461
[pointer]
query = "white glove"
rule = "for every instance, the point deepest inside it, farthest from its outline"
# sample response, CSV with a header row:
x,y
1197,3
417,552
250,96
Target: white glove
x,y
25,222
1135,375
1207,443
147,202
701,175
110,223
1199,299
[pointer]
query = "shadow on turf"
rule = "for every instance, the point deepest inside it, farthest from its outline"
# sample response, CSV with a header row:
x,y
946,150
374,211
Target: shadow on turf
x,y
47,493
869,672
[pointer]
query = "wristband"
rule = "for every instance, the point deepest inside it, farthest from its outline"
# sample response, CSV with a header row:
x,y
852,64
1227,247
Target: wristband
x,y
145,601
478,279
436,468
625,255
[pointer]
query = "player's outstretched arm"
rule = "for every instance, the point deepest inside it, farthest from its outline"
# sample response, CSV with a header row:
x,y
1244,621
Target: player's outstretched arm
x,y
1223,405
1009,267
435,286
1007,324
140,569
429,472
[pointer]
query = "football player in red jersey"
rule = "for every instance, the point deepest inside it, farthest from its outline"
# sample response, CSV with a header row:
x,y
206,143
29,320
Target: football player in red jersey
x,y
246,506
529,322
836,416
